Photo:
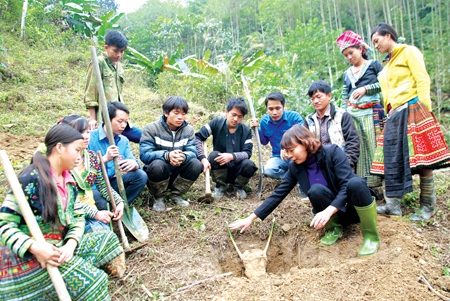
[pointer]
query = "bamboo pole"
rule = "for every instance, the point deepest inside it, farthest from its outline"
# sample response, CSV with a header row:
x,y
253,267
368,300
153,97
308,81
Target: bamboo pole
x,y
24,14
32,224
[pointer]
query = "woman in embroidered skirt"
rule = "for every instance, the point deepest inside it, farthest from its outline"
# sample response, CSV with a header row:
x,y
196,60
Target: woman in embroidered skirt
x,y
51,193
361,99
90,182
412,141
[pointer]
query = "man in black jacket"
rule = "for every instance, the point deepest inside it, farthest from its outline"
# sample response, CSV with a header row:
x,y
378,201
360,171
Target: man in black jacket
x,y
232,141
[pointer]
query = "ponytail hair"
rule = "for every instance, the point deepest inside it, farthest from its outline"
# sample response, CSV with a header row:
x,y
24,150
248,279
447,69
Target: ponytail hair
x,y
48,193
76,121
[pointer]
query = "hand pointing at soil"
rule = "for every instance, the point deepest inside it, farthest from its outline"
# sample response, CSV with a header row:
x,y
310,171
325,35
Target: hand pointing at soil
x,y
243,223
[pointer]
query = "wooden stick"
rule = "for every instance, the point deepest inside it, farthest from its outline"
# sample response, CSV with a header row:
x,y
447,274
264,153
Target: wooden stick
x,y
213,205
124,238
147,291
270,236
422,277
204,280
207,181
234,244
256,130
136,248
32,224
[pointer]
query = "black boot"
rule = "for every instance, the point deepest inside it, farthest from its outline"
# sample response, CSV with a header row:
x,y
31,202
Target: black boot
x,y
239,186
219,176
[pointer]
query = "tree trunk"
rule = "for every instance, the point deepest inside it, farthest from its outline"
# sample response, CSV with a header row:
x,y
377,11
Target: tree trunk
x,y
401,17
388,9
361,29
326,41
335,16
384,11
24,14
367,19
410,22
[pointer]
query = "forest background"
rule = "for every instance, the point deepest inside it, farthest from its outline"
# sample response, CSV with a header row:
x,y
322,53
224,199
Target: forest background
x,y
204,44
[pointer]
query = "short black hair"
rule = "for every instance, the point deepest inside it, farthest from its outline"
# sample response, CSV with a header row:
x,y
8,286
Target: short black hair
x,y
114,106
116,38
319,85
275,95
175,102
238,103
383,29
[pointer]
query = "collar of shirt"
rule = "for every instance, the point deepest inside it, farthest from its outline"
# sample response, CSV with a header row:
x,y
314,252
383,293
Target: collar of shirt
x,y
226,122
327,112
62,187
102,135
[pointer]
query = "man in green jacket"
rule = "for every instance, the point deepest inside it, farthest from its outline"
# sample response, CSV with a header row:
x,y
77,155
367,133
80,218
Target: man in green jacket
x,y
112,75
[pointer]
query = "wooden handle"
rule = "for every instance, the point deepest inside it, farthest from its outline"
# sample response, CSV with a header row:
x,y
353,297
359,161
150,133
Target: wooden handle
x,y
32,224
111,200
207,180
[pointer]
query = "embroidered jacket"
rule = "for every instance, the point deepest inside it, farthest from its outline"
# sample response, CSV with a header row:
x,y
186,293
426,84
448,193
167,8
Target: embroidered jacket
x,y
14,232
158,140
341,129
91,177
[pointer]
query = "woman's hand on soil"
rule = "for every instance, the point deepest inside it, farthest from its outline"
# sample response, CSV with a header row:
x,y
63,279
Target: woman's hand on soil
x,y
358,93
119,212
67,251
45,253
104,216
321,219
243,223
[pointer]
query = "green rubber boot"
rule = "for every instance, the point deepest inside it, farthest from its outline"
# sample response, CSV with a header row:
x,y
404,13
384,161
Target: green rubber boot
x,y
179,187
392,208
368,218
158,191
427,200
219,176
335,230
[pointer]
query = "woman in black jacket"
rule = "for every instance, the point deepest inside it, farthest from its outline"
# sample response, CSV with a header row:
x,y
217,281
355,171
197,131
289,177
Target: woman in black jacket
x,y
338,196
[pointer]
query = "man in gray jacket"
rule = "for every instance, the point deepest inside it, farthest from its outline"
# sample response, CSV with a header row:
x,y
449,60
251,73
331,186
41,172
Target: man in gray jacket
x,y
167,148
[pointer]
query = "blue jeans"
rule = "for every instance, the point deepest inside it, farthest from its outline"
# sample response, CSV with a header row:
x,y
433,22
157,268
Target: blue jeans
x,y
134,181
276,168
132,133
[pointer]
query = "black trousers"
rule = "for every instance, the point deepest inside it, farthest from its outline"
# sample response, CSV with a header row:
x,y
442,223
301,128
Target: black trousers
x,y
159,170
246,167
358,194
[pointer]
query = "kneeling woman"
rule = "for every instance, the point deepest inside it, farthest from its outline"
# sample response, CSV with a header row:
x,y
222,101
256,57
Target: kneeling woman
x,y
338,196
53,198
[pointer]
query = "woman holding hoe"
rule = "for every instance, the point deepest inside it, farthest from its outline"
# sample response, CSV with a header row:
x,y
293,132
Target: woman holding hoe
x,y
51,193
91,185
361,99
338,196
412,141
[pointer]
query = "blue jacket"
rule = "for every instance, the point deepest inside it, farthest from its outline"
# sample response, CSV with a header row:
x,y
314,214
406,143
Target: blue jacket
x,y
335,168
157,141
271,132
99,142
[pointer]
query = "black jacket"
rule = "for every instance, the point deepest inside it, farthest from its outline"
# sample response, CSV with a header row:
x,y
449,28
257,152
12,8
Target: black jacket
x,y
336,170
222,141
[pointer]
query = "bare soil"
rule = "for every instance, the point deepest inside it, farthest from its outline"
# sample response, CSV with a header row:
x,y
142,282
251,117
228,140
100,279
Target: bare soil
x,y
19,147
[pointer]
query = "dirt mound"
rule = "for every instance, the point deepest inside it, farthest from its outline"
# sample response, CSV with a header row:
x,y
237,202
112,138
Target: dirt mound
x,y
19,147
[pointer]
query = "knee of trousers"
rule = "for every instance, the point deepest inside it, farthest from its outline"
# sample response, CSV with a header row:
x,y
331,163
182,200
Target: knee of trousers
x,y
214,164
358,193
158,170
248,168
140,176
320,195
195,167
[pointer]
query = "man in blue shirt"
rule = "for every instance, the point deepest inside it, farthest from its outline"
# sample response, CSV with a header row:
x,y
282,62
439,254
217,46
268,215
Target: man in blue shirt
x,y
272,128
134,178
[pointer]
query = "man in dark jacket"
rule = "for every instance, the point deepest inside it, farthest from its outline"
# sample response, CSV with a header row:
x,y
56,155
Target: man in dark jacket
x,y
168,151
232,142
332,125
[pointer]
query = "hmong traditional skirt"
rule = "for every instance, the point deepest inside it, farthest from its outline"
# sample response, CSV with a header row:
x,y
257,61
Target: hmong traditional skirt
x,y
412,140
369,122
24,279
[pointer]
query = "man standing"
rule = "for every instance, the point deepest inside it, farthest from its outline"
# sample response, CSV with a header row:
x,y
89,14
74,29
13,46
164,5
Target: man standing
x,y
112,75
232,143
167,149
134,178
332,125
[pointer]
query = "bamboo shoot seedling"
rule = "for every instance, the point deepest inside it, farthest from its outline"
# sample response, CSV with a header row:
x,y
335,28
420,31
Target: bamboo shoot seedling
x,y
255,260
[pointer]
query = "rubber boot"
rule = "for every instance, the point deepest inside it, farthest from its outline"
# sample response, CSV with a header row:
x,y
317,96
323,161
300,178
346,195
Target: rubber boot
x,y
179,187
335,230
116,267
219,176
239,186
427,200
368,219
392,208
158,191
